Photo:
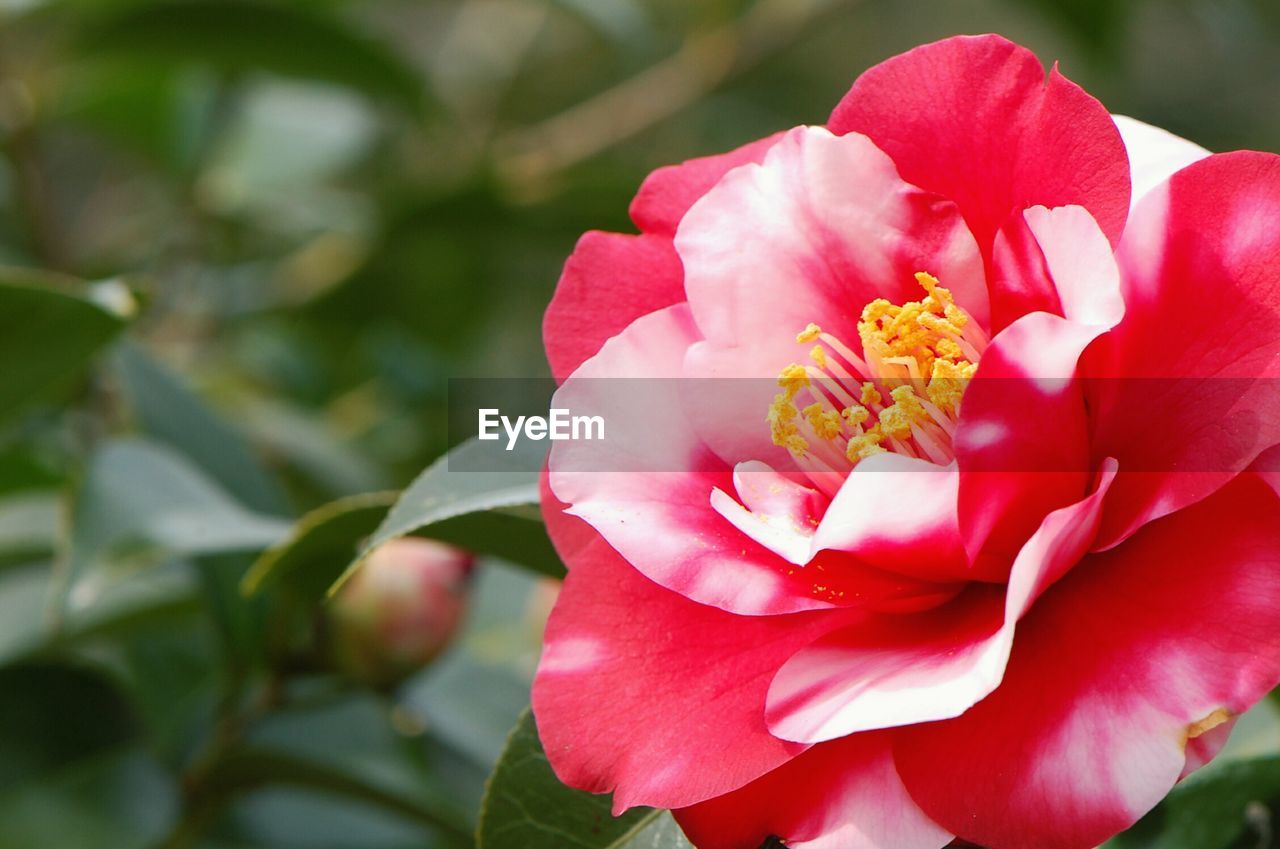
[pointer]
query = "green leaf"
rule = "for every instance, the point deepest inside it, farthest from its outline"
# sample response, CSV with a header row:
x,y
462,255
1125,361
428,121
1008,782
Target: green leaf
x,y
526,807
121,799
245,769
29,524
24,591
483,512
241,35
47,339
54,715
379,742
311,446
320,546
171,413
71,769
140,503
1231,805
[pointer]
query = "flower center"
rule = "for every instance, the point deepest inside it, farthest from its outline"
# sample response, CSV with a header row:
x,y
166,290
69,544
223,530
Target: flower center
x,y
903,394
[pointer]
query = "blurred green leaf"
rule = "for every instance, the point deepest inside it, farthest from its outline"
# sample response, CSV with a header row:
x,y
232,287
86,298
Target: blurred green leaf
x,y
1231,806
242,35
121,799
24,469
47,338
171,413
526,807
475,693
151,632
377,742
250,768
135,603
310,444
483,512
320,546
164,117
24,593
472,704
52,715
140,502
29,524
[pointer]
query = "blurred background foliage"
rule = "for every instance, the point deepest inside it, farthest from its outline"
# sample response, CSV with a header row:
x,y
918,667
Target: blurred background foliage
x,y
242,246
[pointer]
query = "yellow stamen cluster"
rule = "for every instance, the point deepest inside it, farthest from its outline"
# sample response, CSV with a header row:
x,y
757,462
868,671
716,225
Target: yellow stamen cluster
x,y
925,337
947,383
783,413
918,356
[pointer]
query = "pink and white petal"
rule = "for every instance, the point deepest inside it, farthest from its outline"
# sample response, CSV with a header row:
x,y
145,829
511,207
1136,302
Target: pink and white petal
x,y
1056,547
1155,155
897,513
1197,354
973,119
1059,261
612,279
764,490
1117,665
1022,445
727,394
1081,264
775,511
845,794
647,486
608,281
890,671
667,193
645,694
821,227
784,539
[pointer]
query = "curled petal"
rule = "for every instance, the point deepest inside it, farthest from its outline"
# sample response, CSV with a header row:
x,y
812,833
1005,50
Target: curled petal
x,y
1118,665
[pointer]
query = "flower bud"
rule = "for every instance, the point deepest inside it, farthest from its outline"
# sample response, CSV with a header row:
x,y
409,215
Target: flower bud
x,y
400,610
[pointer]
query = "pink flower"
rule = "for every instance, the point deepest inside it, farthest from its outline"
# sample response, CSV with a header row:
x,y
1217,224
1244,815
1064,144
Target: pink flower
x,y
878,605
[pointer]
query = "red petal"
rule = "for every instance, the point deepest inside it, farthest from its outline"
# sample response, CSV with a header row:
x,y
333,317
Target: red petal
x,y
666,194
612,279
972,118
609,281
652,696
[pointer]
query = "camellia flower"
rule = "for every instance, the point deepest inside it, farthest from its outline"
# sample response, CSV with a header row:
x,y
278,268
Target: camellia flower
x,y
994,552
